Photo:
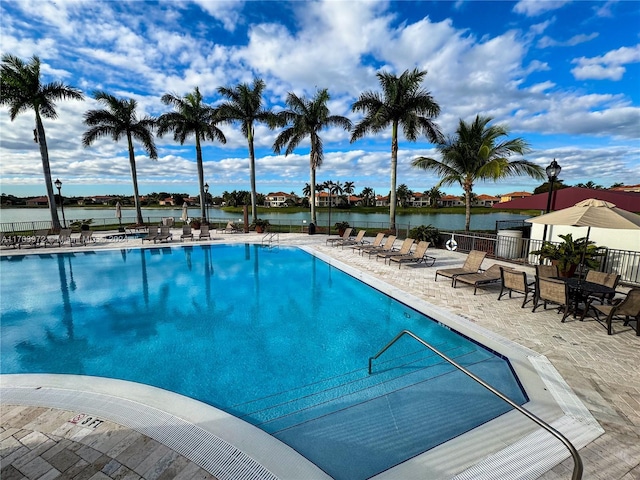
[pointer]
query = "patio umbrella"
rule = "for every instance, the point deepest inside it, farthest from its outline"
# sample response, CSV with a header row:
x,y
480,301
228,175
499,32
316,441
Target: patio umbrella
x,y
119,213
591,213
185,214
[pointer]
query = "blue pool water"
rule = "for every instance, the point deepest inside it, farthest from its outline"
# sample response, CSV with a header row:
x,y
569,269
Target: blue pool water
x,y
274,336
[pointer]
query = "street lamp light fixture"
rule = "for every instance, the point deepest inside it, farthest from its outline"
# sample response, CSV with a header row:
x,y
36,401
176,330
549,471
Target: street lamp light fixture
x,y
553,170
58,185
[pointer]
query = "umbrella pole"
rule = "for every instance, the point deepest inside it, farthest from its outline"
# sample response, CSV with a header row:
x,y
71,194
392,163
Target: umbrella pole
x,y
584,252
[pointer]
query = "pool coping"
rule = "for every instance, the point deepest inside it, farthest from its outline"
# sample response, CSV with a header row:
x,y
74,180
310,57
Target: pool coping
x,y
510,444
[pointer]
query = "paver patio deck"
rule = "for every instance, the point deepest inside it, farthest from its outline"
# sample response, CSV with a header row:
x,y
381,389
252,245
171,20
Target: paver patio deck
x,y
40,443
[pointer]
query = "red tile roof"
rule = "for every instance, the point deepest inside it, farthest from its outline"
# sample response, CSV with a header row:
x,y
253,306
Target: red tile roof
x,y
568,197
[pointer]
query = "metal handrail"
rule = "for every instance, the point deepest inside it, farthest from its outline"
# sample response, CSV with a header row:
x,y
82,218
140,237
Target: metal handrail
x,y
269,237
577,461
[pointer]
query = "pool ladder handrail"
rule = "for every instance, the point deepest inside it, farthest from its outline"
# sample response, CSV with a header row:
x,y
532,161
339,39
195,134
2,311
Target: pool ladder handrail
x,y
269,238
577,461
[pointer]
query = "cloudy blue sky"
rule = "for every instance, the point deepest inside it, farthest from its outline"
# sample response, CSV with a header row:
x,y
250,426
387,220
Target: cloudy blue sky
x,y
564,75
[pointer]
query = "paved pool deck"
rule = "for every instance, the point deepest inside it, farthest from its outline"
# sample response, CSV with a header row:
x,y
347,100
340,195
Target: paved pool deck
x,y
43,442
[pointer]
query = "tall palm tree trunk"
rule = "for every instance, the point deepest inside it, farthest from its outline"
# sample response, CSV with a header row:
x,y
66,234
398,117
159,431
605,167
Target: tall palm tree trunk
x,y
134,178
312,195
394,170
467,208
46,170
203,199
252,171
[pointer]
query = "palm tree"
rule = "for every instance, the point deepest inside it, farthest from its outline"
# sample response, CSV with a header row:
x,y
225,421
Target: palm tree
x,y
475,153
119,120
402,194
434,195
403,103
21,90
244,105
367,194
306,118
191,117
332,188
306,191
349,188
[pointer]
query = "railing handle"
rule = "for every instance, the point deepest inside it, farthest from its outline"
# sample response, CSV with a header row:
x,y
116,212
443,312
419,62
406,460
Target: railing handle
x,y
577,461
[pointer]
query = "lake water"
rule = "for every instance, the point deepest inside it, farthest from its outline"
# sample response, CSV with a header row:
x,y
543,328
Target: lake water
x,y
443,221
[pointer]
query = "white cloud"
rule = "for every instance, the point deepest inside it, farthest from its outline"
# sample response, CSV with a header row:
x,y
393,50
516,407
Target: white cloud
x,y
533,8
545,41
608,66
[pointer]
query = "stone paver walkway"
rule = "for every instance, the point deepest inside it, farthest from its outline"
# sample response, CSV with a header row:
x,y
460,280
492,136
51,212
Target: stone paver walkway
x,y
39,443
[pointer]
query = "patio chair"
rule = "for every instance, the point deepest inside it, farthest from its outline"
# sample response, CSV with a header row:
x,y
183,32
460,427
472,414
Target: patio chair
x,y
516,281
345,236
419,255
405,249
186,233
489,276
471,265
204,232
553,291
386,247
376,243
358,240
626,309
165,234
546,271
154,231
602,278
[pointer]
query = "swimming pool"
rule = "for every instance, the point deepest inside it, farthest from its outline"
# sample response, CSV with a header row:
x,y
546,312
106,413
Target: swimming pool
x,y
118,313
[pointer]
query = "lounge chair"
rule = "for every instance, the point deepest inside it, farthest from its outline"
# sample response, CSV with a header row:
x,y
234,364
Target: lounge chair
x,y
230,228
204,232
489,276
358,240
553,291
386,247
154,231
376,243
86,236
9,240
471,265
626,309
419,255
37,239
345,236
516,281
63,237
405,248
165,234
186,233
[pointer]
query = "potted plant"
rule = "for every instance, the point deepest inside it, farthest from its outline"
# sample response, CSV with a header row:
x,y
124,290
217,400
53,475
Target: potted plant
x,y
568,254
260,225
195,224
427,233
341,227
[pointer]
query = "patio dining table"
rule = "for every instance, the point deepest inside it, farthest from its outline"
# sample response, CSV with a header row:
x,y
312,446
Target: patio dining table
x,y
580,291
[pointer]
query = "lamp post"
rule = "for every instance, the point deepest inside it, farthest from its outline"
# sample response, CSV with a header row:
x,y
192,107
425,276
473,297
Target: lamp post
x,y
58,185
553,170
206,202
